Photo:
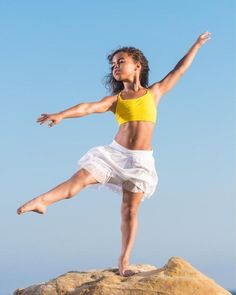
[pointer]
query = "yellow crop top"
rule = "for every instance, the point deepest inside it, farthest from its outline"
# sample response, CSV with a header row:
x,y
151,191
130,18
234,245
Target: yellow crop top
x,y
136,109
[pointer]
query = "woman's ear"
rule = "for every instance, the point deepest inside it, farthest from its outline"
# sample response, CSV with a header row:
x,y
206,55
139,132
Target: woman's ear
x,y
138,65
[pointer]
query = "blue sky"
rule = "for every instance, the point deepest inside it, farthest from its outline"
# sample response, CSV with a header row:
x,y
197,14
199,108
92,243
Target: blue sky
x,y
53,56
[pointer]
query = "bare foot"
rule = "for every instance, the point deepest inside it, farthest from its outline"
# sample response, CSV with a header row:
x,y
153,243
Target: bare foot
x,y
37,205
123,268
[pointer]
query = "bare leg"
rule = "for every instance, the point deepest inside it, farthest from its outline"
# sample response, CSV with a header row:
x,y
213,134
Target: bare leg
x,y
129,208
64,190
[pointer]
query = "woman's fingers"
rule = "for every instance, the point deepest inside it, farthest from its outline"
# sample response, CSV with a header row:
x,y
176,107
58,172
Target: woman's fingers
x,y
51,124
203,38
206,35
54,118
40,118
43,118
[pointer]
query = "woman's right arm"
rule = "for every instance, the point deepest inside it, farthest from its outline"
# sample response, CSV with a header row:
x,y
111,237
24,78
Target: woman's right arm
x,y
79,110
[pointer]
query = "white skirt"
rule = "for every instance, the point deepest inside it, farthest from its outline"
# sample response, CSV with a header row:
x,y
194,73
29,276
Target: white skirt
x,y
116,167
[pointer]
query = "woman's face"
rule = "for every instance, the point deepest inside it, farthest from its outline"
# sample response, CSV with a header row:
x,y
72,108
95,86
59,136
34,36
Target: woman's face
x,y
123,66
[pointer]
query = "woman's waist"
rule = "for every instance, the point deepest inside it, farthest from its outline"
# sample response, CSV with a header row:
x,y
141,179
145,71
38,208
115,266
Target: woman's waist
x,y
133,145
135,139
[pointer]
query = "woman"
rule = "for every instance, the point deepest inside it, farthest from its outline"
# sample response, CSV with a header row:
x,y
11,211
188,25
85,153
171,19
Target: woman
x,y
126,165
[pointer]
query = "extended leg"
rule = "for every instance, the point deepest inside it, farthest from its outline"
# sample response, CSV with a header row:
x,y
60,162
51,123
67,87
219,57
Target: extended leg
x,y
65,190
129,210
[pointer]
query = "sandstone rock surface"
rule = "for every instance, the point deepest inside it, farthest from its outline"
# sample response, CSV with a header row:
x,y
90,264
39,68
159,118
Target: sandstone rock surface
x,y
176,277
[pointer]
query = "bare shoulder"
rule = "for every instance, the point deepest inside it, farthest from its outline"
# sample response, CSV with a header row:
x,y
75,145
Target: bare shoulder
x,y
109,102
112,101
155,90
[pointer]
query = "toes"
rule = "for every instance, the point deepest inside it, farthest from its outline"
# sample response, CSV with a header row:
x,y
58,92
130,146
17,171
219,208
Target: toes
x,y
135,272
19,211
28,207
129,272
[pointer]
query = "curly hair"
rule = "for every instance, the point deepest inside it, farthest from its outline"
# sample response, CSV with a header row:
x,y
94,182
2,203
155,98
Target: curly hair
x,y
115,86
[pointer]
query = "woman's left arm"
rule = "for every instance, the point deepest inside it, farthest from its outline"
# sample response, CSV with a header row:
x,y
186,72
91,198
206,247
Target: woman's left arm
x,y
173,76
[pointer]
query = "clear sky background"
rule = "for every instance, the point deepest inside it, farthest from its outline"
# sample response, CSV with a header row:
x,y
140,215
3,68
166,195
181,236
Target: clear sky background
x,y
53,56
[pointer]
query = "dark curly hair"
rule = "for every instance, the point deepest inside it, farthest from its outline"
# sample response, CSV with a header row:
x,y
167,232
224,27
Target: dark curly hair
x,y
137,55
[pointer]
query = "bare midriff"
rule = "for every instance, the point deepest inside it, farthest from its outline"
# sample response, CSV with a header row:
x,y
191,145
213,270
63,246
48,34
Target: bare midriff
x,y
136,135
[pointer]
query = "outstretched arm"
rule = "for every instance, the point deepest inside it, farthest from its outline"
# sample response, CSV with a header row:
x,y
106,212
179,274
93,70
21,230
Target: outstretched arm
x,y
173,76
79,110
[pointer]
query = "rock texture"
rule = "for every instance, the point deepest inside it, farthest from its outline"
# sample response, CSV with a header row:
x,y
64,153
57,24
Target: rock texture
x,y
177,277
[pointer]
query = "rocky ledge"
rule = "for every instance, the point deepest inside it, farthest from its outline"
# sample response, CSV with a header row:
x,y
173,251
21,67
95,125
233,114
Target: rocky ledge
x,y
177,277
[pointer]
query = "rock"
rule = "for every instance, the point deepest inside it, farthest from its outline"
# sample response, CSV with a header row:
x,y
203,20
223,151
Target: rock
x,y
177,277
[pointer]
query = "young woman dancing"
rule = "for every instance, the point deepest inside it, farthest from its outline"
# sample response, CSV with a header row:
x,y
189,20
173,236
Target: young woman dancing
x,y
126,165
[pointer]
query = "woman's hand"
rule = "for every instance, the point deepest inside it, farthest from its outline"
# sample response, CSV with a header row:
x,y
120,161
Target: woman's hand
x,y
54,118
203,38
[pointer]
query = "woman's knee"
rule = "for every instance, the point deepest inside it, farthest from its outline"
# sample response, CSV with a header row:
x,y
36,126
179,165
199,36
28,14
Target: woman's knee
x,y
82,178
129,212
130,204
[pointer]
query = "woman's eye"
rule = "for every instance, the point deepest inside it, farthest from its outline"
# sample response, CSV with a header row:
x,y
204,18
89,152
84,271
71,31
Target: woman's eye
x,y
118,63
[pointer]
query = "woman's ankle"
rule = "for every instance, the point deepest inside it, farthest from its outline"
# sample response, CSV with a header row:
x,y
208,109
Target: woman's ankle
x,y
124,258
